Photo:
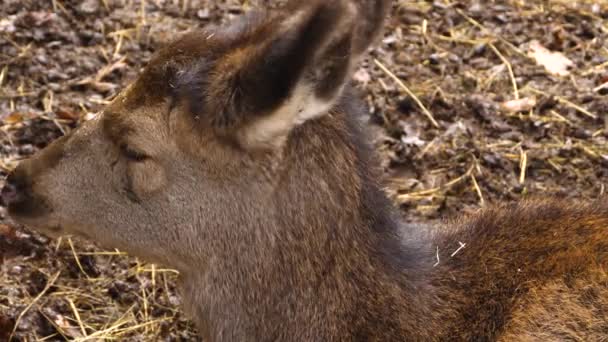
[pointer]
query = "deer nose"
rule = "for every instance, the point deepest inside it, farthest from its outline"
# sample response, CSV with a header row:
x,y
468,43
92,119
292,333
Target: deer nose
x,y
12,192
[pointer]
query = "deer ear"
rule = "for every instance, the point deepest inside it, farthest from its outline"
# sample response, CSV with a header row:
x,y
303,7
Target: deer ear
x,y
289,70
369,23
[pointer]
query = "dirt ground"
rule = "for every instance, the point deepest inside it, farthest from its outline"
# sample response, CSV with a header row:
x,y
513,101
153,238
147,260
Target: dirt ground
x,y
464,114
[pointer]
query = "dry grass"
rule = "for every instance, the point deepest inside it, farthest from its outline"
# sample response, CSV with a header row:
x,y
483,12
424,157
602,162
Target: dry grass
x,y
471,33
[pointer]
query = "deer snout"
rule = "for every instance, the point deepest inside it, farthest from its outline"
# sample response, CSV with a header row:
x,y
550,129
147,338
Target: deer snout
x,y
15,190
17,195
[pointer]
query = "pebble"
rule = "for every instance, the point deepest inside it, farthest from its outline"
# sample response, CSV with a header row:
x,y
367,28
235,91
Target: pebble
x,y
89,7
203,14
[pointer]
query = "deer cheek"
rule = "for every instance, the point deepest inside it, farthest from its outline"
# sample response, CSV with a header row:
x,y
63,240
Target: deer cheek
x,y
146,178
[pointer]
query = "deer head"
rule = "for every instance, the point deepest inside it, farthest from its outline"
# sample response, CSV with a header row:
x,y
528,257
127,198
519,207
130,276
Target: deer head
x,y
191,156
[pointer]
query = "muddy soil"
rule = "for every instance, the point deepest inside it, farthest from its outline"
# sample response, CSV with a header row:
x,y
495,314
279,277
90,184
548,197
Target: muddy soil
x,y
463,114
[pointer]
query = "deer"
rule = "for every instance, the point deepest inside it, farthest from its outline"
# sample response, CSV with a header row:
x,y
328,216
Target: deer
x,y
239,157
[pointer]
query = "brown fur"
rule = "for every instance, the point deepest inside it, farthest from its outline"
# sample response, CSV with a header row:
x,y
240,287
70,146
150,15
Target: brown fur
x,y
237,158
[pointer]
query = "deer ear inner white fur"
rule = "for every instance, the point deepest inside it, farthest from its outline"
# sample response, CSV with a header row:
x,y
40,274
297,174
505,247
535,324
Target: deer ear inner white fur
x,y
272,130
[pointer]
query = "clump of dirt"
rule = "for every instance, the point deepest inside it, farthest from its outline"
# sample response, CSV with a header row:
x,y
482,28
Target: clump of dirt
x,y
471,102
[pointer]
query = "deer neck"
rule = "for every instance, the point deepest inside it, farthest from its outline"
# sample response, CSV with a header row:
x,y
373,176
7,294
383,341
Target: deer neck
x,y
328,254
333,286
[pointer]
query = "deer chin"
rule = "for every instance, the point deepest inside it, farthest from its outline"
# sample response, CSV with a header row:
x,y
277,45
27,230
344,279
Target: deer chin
x,y
48,228
54,231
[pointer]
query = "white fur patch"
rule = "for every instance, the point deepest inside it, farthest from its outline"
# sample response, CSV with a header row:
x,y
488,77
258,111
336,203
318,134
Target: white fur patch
x,y
271,130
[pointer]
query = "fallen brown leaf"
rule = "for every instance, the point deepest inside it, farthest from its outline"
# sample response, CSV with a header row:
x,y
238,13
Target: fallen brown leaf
x,y
519,105
555,62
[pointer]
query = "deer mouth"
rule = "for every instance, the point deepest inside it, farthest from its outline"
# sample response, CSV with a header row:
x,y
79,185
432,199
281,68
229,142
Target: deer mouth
x,y
40,224
29,208
55,229
32,212
52,230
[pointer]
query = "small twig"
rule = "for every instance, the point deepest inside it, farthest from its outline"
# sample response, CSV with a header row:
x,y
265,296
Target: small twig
x,y
596,89
408,91
57,5
598,132
484,29
595,68
577,107
37,298
153,276
77,316
100,333
523,165
566,102
462,245
145,303
433,190
560,117
17,96
104,253
118,46
76,258
478,190
106,5
143,12
510,68
437,256
554,165
139,326
3,75
8,136
461,40
158,270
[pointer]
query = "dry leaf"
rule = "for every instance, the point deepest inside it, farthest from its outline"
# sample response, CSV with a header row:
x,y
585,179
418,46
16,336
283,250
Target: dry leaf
x,y
555,62
6,327
362,76
66,113
413,140
103,86
519,105
13,118
7,230
89,116
62,324
7,25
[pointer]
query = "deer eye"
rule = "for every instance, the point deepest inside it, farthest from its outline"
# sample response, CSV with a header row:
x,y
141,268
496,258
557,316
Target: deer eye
x,y
132,155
